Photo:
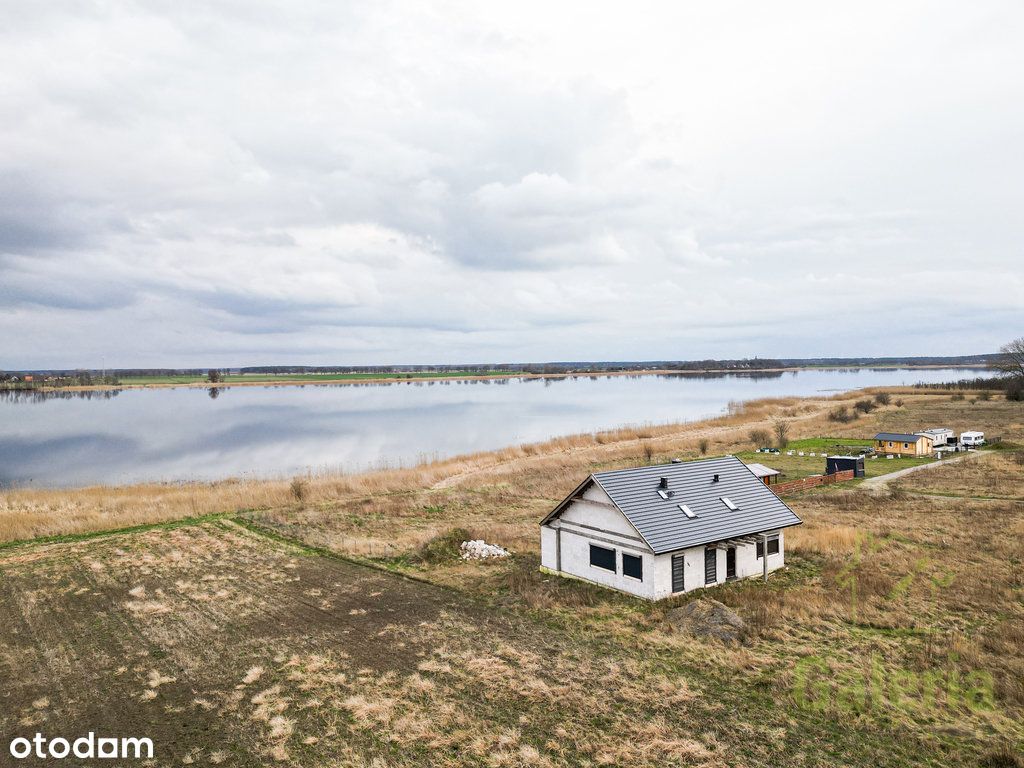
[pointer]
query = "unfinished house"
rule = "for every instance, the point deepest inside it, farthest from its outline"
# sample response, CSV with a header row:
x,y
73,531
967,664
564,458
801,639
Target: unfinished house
x,y
658,531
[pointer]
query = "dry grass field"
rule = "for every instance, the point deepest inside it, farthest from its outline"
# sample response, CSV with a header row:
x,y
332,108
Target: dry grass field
x,y
253,637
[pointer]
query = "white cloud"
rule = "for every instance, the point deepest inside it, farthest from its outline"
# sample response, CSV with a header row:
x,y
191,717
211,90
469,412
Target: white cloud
x,y
358,183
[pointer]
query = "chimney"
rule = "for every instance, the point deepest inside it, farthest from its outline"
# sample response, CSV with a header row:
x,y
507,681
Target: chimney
x,y
664,482
715,478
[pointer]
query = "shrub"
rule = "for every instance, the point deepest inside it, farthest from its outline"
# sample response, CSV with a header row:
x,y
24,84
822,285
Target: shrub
x,y
298,488
648,452
1015,392
956,396
702,445
864,406
985,395
898,403
883,398
842,414
442,548
761,438
781,429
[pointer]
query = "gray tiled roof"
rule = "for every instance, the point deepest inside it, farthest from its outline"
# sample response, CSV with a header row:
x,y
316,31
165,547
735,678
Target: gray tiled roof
x,y
664,526
900,437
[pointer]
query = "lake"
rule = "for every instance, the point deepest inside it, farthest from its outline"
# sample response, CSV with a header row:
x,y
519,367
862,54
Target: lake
x,y
73,439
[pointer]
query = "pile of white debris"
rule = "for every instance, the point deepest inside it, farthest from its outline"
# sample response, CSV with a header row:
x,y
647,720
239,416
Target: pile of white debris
x,y
478,549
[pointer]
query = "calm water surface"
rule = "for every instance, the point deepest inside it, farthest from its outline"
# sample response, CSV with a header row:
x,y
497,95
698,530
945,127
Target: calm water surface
x,y
189,434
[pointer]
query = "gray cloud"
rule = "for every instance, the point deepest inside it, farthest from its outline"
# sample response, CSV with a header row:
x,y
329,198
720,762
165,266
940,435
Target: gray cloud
x,y
362,182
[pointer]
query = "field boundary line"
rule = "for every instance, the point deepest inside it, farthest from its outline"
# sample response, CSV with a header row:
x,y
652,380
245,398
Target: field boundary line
x,y
72,538
264,532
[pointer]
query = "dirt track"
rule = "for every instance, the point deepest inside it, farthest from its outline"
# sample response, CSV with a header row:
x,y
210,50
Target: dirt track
x,y
881,483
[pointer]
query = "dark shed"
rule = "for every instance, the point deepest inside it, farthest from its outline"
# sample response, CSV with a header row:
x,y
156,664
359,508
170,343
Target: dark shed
x,y
835,464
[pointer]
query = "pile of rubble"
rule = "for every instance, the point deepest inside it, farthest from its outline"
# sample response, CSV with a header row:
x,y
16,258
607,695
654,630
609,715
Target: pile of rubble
x,y
478,549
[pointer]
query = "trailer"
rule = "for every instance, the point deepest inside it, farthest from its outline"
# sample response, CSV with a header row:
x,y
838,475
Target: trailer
x,y
972,439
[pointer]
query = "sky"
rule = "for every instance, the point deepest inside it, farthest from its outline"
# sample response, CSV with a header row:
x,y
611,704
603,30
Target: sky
x,y
247,183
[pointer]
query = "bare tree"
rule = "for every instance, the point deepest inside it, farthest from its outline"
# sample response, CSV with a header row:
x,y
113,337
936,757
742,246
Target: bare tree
x,y
1011,359
781,429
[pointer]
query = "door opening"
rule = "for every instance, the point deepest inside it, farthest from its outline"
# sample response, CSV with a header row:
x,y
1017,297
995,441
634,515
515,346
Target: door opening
x,y
711,566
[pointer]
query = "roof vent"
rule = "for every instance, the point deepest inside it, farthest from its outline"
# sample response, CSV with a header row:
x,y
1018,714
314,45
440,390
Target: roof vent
x,y
677,461
715,478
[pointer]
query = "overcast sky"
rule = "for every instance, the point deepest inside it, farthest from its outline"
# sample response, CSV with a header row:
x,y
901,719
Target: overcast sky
x,y
232,183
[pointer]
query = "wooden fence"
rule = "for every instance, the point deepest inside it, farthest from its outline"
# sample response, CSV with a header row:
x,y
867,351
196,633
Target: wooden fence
x,y
814,481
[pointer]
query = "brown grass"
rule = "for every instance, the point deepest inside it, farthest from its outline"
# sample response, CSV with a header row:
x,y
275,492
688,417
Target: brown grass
x,y
31,513
562,673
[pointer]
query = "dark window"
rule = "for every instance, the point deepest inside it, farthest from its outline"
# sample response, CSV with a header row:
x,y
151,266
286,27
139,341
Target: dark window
x,y
602,557
773,547
678,567
632,565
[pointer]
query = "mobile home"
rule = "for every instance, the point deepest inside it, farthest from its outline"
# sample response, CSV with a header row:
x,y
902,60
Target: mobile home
x,y
939,436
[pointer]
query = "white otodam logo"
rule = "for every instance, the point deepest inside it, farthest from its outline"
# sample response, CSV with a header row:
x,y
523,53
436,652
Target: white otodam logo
x,y
84,748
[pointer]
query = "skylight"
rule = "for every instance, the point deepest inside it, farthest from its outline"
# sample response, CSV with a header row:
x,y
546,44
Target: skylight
x,y
664,494
729,503
687,511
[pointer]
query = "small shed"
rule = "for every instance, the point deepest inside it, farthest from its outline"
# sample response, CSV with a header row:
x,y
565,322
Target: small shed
x,y
767,475
902,444
835,464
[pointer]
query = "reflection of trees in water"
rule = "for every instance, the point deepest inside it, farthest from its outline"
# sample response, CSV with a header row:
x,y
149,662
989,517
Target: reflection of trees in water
x,y
40,395
544,381
213,392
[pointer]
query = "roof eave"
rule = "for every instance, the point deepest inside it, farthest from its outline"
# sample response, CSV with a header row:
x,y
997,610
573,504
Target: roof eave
x,y
673,550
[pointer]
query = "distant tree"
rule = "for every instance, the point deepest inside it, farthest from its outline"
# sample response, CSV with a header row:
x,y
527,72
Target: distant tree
x,y
761,438
214,376
1011,359
864,406
781,430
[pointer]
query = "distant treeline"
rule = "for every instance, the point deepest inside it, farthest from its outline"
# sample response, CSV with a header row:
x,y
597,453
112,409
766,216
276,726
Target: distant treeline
x,y
840,362
112,376
1013,386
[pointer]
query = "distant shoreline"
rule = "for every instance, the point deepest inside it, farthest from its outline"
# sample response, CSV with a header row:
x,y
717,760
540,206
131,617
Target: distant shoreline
x,y
397,378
